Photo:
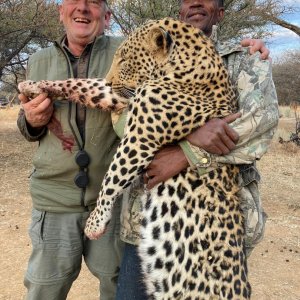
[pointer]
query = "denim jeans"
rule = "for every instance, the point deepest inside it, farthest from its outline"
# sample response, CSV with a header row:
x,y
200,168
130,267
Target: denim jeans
x,y
130,283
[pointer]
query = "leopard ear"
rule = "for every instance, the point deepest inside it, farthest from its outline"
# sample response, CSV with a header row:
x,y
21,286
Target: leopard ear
x,y
160,41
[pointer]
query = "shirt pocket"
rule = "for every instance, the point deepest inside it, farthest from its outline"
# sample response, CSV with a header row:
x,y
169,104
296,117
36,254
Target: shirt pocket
x,y
249,174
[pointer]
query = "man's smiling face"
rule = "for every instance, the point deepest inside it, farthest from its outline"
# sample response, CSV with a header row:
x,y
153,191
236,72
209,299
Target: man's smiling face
x,y
202,14
84,19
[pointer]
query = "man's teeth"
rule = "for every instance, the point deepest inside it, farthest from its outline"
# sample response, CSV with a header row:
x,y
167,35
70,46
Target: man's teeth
x,y
81,20
198,13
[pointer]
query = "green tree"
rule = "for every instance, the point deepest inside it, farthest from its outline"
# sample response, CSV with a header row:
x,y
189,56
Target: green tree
x,y
242,17
129,14
26,25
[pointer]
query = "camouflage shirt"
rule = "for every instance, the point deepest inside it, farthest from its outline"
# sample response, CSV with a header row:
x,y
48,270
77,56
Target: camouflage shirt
x,y
258,105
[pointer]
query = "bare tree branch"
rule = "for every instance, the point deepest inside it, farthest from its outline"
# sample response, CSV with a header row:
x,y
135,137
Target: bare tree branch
x,y
283,23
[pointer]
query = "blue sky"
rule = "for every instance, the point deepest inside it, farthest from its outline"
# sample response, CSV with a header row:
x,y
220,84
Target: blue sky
x,y
283,39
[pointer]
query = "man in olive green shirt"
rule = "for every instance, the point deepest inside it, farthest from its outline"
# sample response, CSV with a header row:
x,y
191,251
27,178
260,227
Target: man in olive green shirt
x,y
65,183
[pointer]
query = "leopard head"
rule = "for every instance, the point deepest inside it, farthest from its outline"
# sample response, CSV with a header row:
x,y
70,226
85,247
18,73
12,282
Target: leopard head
x,y
139,58
165,49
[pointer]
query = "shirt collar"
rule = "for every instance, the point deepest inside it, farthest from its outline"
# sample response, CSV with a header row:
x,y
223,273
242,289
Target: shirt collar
x,y
224,48
64,44
214,34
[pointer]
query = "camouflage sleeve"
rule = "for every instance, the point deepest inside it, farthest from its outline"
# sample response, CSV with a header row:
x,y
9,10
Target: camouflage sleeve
x,y
259,107
30,134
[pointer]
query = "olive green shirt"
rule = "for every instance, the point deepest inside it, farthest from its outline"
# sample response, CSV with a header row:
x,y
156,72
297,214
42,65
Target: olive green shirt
x,y
52,184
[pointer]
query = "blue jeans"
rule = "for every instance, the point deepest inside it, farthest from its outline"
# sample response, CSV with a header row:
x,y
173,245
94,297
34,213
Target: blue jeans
x,y
130,283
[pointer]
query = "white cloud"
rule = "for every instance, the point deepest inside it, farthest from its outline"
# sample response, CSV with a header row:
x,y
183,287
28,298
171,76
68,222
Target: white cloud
x,y
291,2
282,40
280,32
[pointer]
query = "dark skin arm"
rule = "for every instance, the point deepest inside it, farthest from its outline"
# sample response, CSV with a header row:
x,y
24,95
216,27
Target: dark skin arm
x,y
215,137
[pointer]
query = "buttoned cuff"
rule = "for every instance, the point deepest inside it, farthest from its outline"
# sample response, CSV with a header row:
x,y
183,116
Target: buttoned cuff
x,y
199,160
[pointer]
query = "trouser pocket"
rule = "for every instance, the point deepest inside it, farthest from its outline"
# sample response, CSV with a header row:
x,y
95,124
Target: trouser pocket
x,y
56,248
36,226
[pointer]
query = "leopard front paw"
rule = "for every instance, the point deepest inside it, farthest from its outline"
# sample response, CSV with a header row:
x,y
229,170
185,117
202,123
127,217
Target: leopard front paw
x,y
96,225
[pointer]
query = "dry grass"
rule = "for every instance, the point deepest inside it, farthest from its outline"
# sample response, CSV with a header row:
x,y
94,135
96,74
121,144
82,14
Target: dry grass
x,y
274,265
285,112
9,114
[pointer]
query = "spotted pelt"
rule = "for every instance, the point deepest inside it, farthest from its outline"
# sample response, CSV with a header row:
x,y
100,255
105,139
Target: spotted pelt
x,y
192,228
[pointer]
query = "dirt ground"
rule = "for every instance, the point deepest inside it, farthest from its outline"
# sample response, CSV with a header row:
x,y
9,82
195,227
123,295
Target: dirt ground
x,y
274,266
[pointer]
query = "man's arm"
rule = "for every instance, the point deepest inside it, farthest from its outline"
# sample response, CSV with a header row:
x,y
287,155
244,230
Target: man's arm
x,y
259,108
255,127
216,136
259,112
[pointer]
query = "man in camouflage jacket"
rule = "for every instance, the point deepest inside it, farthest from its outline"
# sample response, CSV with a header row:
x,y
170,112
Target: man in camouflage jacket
x,y
259,108
255,127
252,131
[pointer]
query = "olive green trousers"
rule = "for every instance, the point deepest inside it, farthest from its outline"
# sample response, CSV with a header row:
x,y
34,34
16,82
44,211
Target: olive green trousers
x,y
58,247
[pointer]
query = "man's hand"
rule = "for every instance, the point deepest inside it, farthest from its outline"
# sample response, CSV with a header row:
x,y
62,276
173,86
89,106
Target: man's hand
x,y
167,162
38,111
216,136
256,45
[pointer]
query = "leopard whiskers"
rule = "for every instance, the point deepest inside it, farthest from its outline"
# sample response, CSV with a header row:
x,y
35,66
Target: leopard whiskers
x,y
125,92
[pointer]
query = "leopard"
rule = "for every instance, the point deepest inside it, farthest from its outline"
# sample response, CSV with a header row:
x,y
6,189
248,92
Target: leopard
x,y
170,79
